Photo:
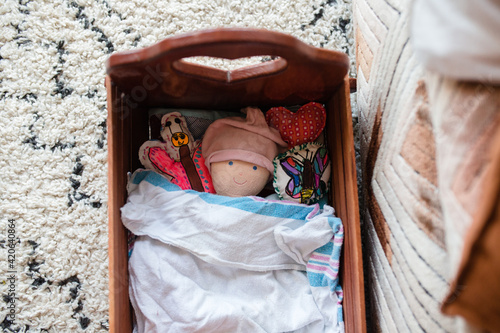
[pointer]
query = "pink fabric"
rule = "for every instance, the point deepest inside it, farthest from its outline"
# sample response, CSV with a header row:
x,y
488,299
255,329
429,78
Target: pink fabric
x,y
250,140
166,164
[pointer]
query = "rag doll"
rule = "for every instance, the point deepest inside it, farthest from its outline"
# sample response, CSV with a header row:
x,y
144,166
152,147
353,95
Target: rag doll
x,y
178,156
239,152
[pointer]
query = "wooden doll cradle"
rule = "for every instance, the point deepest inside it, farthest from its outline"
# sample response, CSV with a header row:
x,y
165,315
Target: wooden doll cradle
x,y
158,76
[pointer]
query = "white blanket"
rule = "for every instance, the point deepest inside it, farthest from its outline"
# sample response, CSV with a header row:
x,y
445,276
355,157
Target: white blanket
x,y
209,263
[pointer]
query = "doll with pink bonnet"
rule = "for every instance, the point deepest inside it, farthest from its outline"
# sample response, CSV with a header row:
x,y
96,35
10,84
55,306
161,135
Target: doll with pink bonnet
x,y
239,153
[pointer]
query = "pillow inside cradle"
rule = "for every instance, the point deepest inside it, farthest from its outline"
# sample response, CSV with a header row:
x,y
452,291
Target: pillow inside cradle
x,y
302,173
197,120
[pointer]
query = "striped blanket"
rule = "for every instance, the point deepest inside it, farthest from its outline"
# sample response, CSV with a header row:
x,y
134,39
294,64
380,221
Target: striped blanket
x,y
209,263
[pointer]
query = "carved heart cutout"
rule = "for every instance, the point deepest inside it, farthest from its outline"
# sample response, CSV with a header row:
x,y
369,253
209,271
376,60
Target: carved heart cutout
x,y
299,127
237,69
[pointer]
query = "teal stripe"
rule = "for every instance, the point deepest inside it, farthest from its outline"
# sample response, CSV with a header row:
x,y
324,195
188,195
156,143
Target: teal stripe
x,y
321,263
248,204
326,249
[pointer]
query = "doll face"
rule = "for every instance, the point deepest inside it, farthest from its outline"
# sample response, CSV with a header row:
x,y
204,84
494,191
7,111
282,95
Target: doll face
x,y
237,178
180,139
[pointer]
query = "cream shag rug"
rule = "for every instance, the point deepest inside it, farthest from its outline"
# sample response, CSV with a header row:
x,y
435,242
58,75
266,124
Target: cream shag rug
x,y
53,156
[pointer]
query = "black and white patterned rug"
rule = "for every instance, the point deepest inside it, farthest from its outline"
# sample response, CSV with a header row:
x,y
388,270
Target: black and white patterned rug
x,y
53,153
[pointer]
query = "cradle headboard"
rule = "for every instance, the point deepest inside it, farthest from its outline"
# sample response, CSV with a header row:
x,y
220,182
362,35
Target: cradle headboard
x,y
298,73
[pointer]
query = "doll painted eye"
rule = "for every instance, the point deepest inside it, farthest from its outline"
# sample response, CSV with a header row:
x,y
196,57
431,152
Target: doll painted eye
x,y
177,121
254,167
230,163
168,123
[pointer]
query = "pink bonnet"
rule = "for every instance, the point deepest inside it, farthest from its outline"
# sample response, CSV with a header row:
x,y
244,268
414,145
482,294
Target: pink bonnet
x,y
247,139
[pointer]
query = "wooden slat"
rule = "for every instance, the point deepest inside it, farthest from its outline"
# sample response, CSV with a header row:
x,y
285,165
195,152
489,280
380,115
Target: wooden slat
x,y
353,266
119,307
345,196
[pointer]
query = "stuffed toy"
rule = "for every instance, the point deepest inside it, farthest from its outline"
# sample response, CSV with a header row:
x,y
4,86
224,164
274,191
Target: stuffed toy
x,y
239,152
296,128
302,173
178,157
